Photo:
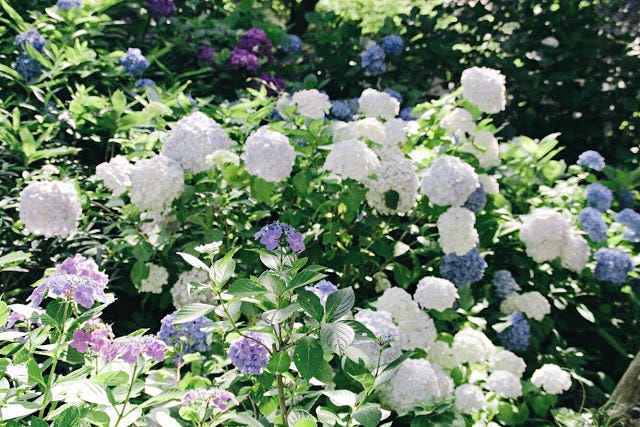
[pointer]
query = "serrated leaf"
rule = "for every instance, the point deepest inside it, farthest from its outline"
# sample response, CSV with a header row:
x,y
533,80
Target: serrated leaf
x,y
311,304
224,268
304,278
245,287
113,378
69,418
279,362
193,261
368,416
307,357
18,409
337,336
339,304
192,312
341,397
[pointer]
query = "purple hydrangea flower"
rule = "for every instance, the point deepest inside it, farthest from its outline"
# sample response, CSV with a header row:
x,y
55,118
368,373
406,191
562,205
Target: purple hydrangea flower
x,y
393,45
591,159
270,236
186,337
406,114
631,220
134,62
13,318
242,58
296,242
372,61
222,399
593,223
599,196
206,54
160,8
612,265
80,289
79,265
256,41
463,269
131,348
97,337
28,68
249,354
341,110
292,45
322,289
504,283
31,37
518,335
477,200
394,94
69,4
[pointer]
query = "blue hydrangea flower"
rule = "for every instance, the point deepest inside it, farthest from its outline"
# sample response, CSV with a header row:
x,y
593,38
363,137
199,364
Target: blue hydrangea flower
x,y
292,45
249,354
625,198
134,62
631,219
518,335
341,110
69,4
599,196
270,236
31,37
322,289
593,223
463,269
406,114
477,200
504,283
185,337
372,61
28,68
393,45
612,265
160,8
144,83
394,94
591,159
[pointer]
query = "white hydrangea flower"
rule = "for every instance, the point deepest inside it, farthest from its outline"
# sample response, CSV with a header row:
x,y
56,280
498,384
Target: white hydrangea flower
x,y
312,103
449,181
485,88
552,379
373,103
435,293
50,208
445,383
398,303
469,398
471,346
342,131
457,231
504,360
180,289
116,174
351,159
415,382
441,354
269,155
395,130
192,139
49,170
575,252
220,158
533,304
394,174
370,128
543,233
458,123
156,279
155,183
382,326
159,220
419,331
485,140
489,183
505,384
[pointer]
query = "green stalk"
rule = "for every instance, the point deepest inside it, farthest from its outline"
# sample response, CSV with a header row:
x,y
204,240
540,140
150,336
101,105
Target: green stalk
x,y
54,363
126,399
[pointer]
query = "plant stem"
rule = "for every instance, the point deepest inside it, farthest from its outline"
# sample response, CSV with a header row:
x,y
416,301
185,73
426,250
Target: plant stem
x,y
282,398
126,399
54,362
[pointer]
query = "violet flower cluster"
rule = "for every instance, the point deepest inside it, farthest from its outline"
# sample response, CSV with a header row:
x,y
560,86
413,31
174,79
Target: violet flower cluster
x,y
134,62
271,236
249,354
30,37
219,398
518,335
185,337
251,47
322,290
161,8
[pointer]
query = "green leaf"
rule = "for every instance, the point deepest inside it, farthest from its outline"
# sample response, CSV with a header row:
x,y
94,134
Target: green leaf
x,y
52,152
35,374
119,101
368,416
113,378
69,418
261,189
279,362
192,312
245,287
165,396
305,422
13,258
4,312
139,272
586,313
37,422
224,268
307,357
18,409
339,304
311,304
337,336
341,397
190,414
193,261
98,418
304,278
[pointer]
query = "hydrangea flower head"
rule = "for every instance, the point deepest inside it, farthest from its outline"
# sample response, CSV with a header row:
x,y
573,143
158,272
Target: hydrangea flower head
x,y
552,379
351,159
469,398
543,233
221,399
144,83
249,354
311,103
504,383
243,59
185,337
181,293
504,360
434,293
625,198
31,37
518,335
456,228
206,54
397,302
86,267
471,346
394,94
599,196
292,45
593,223
463,269
488,153
390,339
591,159
396,176
612,265
161,8
449,181
134,62
157,278
155,183
393,45
271,236
69,4
96,336
533,304
341,110
406,114
485,88
322,290
256,41
50,208
458,123
130,349
373,103
631,220
28,68
504,283
269,155
477,200
372,61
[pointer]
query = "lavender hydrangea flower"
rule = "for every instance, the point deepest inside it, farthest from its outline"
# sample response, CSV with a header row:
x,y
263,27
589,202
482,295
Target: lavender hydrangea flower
x,y
394,94
69,4
292,45
612,265
518,335
322,290
256,41
591,159
393,45
341,110
463,269
28,68
477,200
599,196
82,266
372,61
631,219
271,235
406,114
222,399
134,62
186,337
593,223
504,283
206,54
249,354
96,336
30,37
625,198
130,349
242,58
160,8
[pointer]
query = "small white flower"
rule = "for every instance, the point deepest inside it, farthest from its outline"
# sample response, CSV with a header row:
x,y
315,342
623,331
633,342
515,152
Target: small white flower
x,y
155,183
449,181
373,103
505,384
156,279
269,155
180,290
543,233
351,159
471,346
489,183
575,252
485,88
487,142
50,208
504,360
116,174
435,293
550,41
469,398
552,379
458,123
395,174
457,231
533,304
398,303
312,103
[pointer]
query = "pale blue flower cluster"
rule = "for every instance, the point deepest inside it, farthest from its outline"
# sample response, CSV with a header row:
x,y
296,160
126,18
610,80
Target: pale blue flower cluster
x,y
463,269
341,110
322,289
477,200
134,62
249,354
504,283
517,336
28,68
591,159
372,61
599,196
631,220
270,236
69,4
593,223
612,265
292,45
30,37
393,45
185,337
